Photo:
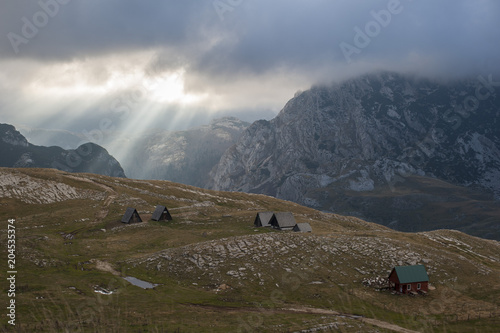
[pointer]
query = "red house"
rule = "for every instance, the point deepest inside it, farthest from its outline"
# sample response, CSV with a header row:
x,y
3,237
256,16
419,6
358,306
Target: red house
x,y
409,279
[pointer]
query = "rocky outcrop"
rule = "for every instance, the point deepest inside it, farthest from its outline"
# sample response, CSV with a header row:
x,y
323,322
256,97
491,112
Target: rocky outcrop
x,y
373,133
263,259
18,152
9,135
33,190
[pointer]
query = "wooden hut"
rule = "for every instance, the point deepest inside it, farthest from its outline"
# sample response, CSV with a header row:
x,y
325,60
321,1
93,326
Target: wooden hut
x,y
283,221
409,279
262,219
161,214
131,216
302,227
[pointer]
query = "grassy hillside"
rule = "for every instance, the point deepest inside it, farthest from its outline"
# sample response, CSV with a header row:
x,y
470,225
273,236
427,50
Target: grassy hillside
x,y
216,273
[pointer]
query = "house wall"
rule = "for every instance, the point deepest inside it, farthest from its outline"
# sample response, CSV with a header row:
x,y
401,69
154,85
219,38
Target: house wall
x,y
424,286
393,278
135,219
284,228
403,287
165,216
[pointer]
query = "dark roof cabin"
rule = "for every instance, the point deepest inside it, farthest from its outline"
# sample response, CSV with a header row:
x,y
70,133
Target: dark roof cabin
x,y
262,219
409,279
131,216
302,227
283,221
161,214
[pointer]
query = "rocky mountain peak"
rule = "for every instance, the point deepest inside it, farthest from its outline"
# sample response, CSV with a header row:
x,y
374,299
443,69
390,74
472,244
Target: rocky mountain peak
x,y
183,156
18,152
368,134
10,135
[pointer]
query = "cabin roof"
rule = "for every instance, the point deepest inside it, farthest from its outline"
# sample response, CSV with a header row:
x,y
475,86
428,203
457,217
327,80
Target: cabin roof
x,y
158,213
264,217
302,227
283,220
410,274
128,214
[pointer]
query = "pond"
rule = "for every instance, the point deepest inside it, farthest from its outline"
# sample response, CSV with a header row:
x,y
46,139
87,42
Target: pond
x,y
140,283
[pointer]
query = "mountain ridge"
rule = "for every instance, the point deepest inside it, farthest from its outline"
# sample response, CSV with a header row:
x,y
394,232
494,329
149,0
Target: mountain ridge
x,y
368,134
88,157
184,156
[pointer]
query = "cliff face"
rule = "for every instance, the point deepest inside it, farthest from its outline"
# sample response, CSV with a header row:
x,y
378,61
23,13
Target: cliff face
x,y
17,152
183,156
372,134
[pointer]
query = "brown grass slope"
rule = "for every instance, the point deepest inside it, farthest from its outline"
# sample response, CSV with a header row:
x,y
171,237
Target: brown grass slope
x,y
216,273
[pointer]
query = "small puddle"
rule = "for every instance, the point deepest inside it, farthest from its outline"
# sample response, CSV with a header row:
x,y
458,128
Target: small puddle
x,y
140,283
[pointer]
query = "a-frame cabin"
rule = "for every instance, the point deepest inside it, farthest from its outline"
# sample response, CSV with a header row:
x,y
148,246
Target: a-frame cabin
x,y
131,216
161,214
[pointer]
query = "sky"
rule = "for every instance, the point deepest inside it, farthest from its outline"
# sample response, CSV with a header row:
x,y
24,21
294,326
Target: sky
x,y
130,65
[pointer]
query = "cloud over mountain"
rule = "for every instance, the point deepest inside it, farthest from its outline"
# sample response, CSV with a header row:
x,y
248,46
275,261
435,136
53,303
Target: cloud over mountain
x,y
223,57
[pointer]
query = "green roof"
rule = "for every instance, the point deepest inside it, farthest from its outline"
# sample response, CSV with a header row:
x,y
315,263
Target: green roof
x,y
410,274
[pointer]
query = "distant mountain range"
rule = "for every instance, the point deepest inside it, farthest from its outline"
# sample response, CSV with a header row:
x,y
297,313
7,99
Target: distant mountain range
x,y
52,137
410,153
181,156
17,152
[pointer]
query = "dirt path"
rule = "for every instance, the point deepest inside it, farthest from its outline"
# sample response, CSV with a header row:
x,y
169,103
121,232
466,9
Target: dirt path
x,y
103,211
371,321
307,310
386,325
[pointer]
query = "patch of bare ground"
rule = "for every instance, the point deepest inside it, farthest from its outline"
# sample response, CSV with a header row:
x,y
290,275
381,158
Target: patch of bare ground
x,y
104,266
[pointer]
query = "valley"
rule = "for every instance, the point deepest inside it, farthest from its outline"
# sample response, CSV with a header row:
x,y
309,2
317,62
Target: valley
x,y
250,166
215,272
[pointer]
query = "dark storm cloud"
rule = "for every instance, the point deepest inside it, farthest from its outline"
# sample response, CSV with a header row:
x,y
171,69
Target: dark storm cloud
x,y
238,55
449,36
76,28
257,36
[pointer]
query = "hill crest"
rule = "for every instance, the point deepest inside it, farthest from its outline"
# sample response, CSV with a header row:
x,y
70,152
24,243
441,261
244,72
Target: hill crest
x,y
210,261
89,157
